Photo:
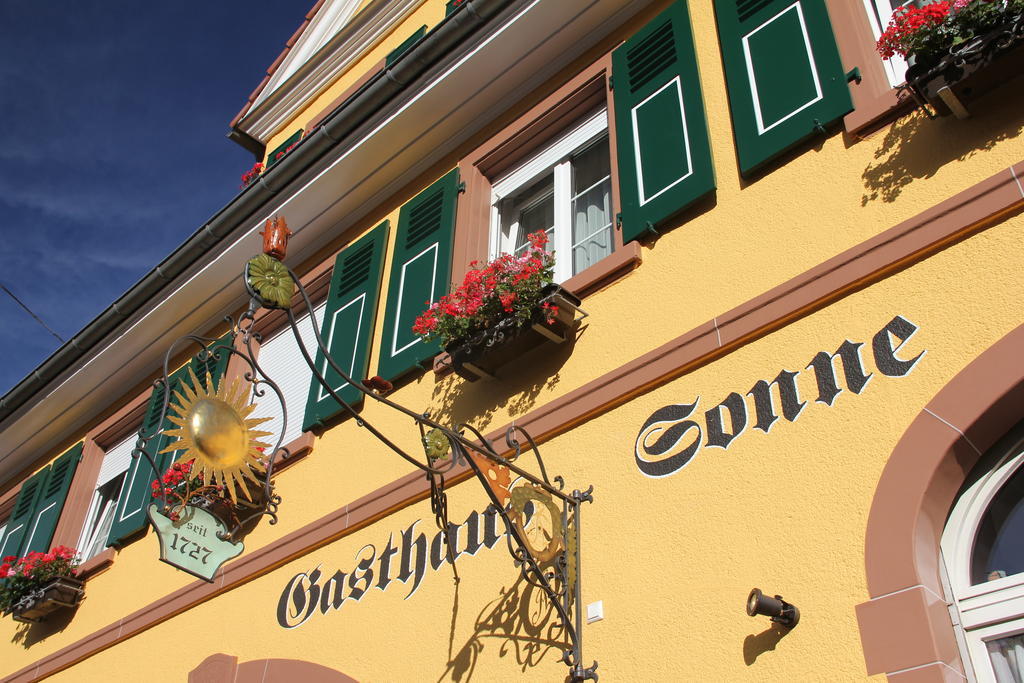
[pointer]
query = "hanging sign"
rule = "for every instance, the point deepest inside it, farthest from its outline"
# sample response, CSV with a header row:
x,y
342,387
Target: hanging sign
x,y
191,543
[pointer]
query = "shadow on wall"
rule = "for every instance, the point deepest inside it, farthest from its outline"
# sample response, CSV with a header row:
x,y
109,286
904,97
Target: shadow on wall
x,y
917,147
756,645
516,389
30,634
521,622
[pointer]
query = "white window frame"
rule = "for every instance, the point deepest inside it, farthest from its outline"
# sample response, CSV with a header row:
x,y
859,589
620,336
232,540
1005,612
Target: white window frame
x,y
554,158
94,517
993,609
880,14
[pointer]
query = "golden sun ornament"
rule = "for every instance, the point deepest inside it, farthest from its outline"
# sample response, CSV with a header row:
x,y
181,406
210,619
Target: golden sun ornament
x,y
215,430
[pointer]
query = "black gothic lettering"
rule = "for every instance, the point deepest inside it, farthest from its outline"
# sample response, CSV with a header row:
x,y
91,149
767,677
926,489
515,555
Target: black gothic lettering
x,y
472,525
789,395
414,558
384,568
824,372
717,436
885,354
491,535
299,598
667,427
333,593
364,573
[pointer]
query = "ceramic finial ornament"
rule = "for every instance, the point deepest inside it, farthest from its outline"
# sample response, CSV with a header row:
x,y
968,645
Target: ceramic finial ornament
x,y
275,237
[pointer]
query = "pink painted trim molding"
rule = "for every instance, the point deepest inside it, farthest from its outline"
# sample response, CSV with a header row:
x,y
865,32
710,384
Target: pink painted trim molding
x,y
910,241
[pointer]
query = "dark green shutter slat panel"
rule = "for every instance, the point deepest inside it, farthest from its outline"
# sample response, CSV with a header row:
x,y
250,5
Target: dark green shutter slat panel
x,y
23,512
136,492
216,364
420,273
282,149
348,322
453,5
662,138
130,517
784,75
394,55
179,377
51,501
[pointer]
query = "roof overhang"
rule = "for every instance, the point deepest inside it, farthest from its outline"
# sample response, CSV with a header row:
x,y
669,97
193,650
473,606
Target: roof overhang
x,y
529,42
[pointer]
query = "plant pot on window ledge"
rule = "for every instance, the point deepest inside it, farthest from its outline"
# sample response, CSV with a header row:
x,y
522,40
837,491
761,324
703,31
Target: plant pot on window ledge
x,y
971,69
61,592
483,354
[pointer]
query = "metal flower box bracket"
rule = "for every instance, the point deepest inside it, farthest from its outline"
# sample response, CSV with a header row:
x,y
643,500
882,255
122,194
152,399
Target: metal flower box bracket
x,y
61,592
483,354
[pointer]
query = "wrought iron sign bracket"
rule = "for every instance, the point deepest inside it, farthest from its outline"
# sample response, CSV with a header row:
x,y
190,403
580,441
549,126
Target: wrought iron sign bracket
x,y
214,429
542,519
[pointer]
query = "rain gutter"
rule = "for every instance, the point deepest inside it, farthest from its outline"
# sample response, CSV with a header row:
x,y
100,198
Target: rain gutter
x,y
364,103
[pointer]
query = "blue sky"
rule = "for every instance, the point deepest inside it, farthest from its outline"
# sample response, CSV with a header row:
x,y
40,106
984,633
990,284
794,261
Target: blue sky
x,y
113,117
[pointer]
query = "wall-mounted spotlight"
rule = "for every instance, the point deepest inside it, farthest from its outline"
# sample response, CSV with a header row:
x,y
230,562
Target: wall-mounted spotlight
x,y
778,609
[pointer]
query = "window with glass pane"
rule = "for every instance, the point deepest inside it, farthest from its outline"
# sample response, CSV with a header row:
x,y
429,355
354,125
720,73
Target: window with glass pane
x,y
999,544
1007,657
880,14
565,190
984,558
104,500
101,516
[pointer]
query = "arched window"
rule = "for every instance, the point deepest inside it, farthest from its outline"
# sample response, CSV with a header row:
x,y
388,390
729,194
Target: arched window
x,y
983,550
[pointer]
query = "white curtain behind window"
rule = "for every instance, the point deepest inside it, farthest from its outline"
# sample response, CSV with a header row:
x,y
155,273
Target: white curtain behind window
x,y
591,206
1007,655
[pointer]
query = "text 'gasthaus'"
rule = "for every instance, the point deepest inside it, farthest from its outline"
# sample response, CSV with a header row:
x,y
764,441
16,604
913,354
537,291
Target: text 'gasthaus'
x,y
668,440
405,560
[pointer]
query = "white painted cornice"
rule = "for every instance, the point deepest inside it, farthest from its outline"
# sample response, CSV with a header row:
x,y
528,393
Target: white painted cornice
x,y
338,194
326,23
324,51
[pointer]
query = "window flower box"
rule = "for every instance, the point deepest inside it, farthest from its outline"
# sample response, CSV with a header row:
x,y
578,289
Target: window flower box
x,y
60,592
501,310
970,69
482,354
957,49
38,584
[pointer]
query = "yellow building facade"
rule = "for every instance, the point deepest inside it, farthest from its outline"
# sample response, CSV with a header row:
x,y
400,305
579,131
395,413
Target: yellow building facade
x,y
799,368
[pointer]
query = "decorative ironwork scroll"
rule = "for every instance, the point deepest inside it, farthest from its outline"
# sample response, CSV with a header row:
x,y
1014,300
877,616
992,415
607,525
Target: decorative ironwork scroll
x,y
214,428
542,518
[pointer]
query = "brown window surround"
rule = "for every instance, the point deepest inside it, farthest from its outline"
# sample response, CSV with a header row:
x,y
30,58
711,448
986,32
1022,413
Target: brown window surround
x,y
874,100
112,430
516,142
513,144
905,626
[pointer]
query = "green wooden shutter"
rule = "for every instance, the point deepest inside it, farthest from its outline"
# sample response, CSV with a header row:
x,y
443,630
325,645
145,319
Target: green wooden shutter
x,y
783,73
130,516
21,517
420,273
395,54
136,492
661,130
51,501
281,150
216,364
348,323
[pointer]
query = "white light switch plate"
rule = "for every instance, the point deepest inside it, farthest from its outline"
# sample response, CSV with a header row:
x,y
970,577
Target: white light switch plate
x,y
595,611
